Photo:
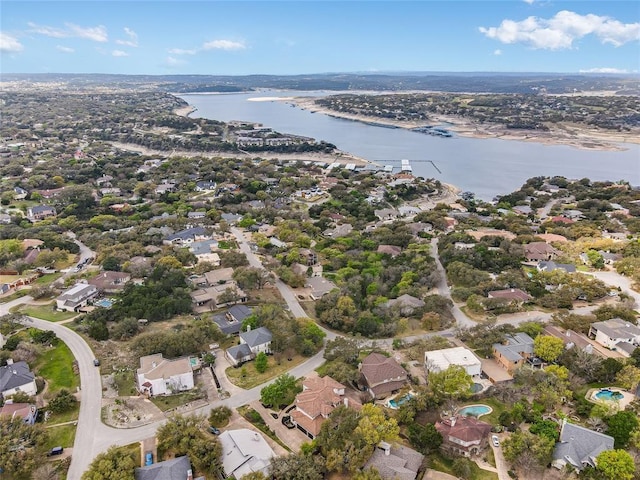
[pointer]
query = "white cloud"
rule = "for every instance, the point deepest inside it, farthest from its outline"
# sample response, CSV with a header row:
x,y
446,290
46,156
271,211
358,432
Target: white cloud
x,y
604,70
497,52
183,51
561,30
119,53
529,1
132,41
174,62
97,34
64,49
9,44
223,45
212,45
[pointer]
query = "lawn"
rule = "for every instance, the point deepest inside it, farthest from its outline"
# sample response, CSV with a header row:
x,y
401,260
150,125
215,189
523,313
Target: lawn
x,y
56,366
443,464
125,383
45,312
177,400
227,244
62,436
48,278
14,295
247,376
57,418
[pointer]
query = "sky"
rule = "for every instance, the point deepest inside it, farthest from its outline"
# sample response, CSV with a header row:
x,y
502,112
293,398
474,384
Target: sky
x,y
303,37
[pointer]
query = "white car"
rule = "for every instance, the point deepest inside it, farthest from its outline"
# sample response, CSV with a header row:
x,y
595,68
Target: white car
x,y
495,440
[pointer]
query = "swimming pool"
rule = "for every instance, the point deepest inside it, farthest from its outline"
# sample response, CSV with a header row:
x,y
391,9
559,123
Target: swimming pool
x,y
609,396
475,410
393,403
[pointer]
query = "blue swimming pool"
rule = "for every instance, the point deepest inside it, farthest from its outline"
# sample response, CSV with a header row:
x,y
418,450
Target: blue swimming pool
x,y
395,403
609,395
475,410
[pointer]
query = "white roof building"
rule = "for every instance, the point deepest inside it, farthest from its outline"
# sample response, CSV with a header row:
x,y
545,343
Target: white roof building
x,y
244,451
439,360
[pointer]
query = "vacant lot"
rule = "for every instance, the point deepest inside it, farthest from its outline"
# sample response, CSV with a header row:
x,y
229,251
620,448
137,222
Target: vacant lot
x,y
56,366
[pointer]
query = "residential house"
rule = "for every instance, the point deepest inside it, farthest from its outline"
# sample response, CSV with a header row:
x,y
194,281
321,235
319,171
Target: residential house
x,y
579,447
276,242
338,231
219,276
319,397
163,376
16,377
382,375
231,218
522,209
516,350
395,462
25,411
205,186
463,435
252,342
197,215
616,334
244,451
178,468
203,251
310,257
552,237
386,214
40,212
218,296
110,191
537,251
187,236
571,339
230,322
110,282
408,211
550,266
406,303
50,193
19,193
5,218
166,187
76,297
319,287
479,233
104,180
439,360
511,295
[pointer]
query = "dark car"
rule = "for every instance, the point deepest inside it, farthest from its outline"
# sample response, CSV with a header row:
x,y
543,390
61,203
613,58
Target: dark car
x,y
56,451
148,459
214,430
96,362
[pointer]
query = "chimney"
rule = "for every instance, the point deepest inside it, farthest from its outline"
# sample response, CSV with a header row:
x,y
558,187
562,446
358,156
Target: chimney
x,y
453,421
346,402
189,475
386,447
9,361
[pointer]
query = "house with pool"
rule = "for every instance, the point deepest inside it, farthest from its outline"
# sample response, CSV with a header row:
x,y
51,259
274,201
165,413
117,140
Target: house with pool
x,y
463,435
382,375
439,360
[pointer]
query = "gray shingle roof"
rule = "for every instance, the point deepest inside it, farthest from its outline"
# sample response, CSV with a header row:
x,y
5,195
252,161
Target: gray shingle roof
x,y
239,351
15,375
175,469
256,337
579,446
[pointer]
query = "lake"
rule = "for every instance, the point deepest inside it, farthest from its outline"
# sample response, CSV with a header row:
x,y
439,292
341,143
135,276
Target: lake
x,y
487,167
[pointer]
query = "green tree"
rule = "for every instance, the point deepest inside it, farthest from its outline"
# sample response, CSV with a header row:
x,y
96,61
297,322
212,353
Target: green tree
x,y
615,465
296,467
368,474
462,467
528,451
450,383
21,446
114,464
219,416
548,348
629,378
620,426
425,438
261,362
62,402
375,427
281,392
547,428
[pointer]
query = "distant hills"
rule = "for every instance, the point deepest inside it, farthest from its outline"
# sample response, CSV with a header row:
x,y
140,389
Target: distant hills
x,y
472,82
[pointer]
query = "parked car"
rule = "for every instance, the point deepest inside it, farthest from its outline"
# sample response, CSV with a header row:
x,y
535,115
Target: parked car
x,y
96,362
56,451
214,430
148,459
495,440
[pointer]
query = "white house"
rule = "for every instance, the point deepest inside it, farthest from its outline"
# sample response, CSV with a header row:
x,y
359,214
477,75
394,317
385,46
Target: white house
x,y
251,343
616,334
243,452
16,377
163,376
439,360
76,297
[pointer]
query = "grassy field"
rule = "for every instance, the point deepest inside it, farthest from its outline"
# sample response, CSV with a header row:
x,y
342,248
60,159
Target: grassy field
x,y
125,383
443,464
48,278
174,401
61,436
247,376
14,295
58,418
45,312
56,366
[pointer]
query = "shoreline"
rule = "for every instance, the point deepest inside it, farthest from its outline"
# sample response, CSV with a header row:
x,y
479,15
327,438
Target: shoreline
x,y
577,137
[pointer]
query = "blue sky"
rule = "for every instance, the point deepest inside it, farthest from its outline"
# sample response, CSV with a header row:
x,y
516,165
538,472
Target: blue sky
x,y
298,37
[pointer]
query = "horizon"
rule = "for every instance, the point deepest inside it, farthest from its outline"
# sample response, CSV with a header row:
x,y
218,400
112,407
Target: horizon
x,y
303,38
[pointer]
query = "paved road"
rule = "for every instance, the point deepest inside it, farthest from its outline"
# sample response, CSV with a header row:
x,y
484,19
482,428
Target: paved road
x,y
611,277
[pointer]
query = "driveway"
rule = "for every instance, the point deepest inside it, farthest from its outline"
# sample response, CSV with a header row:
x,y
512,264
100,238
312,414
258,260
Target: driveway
x,y
501,464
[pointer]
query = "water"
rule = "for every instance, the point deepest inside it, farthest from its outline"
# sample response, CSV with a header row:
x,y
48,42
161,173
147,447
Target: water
x,y
487,167
475,410
395,404
609,396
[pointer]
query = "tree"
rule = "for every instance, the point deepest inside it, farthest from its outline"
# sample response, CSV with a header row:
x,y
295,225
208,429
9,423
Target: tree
x,y
261,362
20,447
295,467
342,348
547,428
62,402
528,451
375,427
281,392
462,467
219,416
629,377
368,474
116,463
548,348
615,465
620,426
425,438
449,383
